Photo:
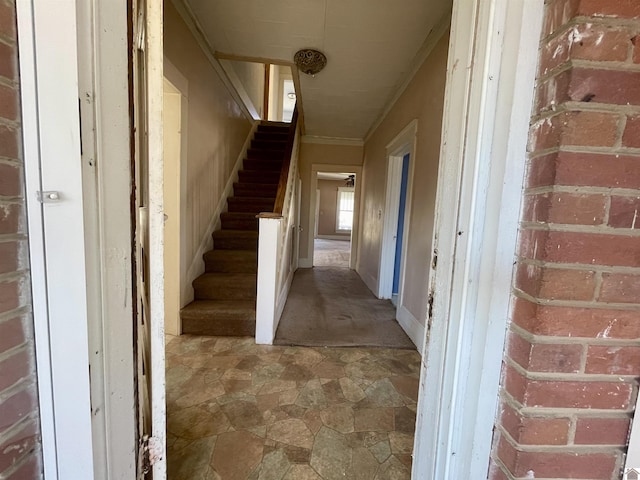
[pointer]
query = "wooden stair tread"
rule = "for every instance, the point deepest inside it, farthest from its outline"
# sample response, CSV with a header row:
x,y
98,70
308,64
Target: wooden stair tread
x,y
234,234
219,317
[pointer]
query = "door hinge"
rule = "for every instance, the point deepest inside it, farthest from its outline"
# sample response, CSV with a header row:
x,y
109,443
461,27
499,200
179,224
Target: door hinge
x,y
150,452
48,196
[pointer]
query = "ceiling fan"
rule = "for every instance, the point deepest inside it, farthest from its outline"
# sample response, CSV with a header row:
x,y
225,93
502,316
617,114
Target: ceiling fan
x,y
351,180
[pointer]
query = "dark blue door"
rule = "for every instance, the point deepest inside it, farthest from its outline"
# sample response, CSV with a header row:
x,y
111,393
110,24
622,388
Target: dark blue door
x,y
400,229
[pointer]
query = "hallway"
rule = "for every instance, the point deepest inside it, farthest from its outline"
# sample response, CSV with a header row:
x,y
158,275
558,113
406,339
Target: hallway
x,y
331,253
237,410
331,306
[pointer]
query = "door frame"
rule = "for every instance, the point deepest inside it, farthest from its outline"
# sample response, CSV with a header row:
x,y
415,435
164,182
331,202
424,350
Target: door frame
x,y
48,43
491,70
321,167
404,143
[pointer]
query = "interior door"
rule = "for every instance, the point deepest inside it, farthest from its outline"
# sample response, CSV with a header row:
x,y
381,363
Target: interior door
x,y
148,223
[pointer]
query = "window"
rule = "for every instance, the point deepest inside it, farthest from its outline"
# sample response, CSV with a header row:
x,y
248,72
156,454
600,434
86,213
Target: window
x,y
344,213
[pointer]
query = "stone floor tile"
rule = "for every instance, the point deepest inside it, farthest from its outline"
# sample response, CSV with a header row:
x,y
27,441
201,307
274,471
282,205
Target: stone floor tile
x,y
236,454
381,450
301,472
405,420
338,417
401,443
363,465
292,431
351,390
374,420
331,455
383,394
274,466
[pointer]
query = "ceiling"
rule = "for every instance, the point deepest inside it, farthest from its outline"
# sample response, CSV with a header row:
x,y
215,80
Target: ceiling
x,y
370,46
333,176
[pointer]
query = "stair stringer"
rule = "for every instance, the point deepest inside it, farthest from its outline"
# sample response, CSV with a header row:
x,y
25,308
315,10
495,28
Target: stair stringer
x,y
197,266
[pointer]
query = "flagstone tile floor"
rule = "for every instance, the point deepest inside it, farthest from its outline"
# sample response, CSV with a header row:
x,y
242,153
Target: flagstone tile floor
x,y
237,410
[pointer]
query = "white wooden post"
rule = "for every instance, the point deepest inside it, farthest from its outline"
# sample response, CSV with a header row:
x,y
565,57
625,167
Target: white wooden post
x,y
268,246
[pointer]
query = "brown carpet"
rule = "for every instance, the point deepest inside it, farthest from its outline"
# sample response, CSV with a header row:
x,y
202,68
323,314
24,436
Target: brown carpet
x,y
331,253
331,306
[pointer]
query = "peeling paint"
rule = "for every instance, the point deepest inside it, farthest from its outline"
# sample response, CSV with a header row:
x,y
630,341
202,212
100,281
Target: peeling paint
x,y
605,333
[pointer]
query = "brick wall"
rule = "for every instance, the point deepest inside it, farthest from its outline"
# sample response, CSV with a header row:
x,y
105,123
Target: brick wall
x,y
573,356
20,453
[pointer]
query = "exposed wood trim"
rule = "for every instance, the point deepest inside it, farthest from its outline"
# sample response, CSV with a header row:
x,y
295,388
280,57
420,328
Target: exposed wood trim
x,y
265,90
425,50
248,58
286,165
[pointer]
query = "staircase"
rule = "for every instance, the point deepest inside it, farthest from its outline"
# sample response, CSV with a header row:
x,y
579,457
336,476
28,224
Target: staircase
x,y
225,295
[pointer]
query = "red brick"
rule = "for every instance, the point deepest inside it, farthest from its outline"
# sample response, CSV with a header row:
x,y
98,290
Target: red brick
x,y
495,471
12,334
597,170
9,296
15,368
29,470
7,61
518,349
7,20
10,180
557,14
19,445
636,48
514,383
8,103
596,466
553,92
595,249
532,243
620,288
565,208
535,430
560,284
541,171
555,283
8,142
8,257
624,212
16,407
575,322
555,358
559,394
607,8
605,86
631,136
10,219
602,431
613,360
578,128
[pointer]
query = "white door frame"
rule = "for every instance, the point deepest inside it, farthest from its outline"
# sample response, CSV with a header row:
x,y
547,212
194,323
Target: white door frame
x,y
319,167
404,143
491,69
47,37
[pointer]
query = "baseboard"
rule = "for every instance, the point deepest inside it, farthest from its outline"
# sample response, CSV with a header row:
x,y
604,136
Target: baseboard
x,y
282,301
334,237
305,262
370,282
412,327
206,243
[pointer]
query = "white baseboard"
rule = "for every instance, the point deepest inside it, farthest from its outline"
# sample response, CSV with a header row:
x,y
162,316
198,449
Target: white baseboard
x,y
412,327
206,243
370,282
305,262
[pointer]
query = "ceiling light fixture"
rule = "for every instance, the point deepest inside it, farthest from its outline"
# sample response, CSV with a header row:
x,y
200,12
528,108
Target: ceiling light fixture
x,y
310,61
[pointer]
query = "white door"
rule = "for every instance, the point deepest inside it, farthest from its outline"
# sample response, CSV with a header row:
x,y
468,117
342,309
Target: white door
x,y
149,238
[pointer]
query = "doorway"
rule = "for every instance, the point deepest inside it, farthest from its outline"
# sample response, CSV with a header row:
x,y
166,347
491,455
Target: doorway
x,y
335,201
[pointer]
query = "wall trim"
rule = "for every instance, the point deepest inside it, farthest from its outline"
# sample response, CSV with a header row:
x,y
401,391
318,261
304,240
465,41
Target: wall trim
x,y
344,238
196,267
412,327
348,142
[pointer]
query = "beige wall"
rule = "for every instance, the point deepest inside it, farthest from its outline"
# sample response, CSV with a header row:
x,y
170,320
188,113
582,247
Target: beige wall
x,y
215,127
316,154
328,205
251,75
423,99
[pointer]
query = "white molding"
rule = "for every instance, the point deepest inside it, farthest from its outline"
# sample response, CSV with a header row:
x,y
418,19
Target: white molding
x,y
411,326
403,143
196,267
633,452
370,281
490,84
427,47
268,243
282,300
321,167
196,30
320,140
47,37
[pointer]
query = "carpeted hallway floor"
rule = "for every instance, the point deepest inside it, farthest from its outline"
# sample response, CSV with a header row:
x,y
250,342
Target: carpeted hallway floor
x,y
331,253
331,306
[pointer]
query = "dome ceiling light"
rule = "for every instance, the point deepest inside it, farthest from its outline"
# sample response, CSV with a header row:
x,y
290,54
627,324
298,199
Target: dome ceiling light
x,y
310,61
